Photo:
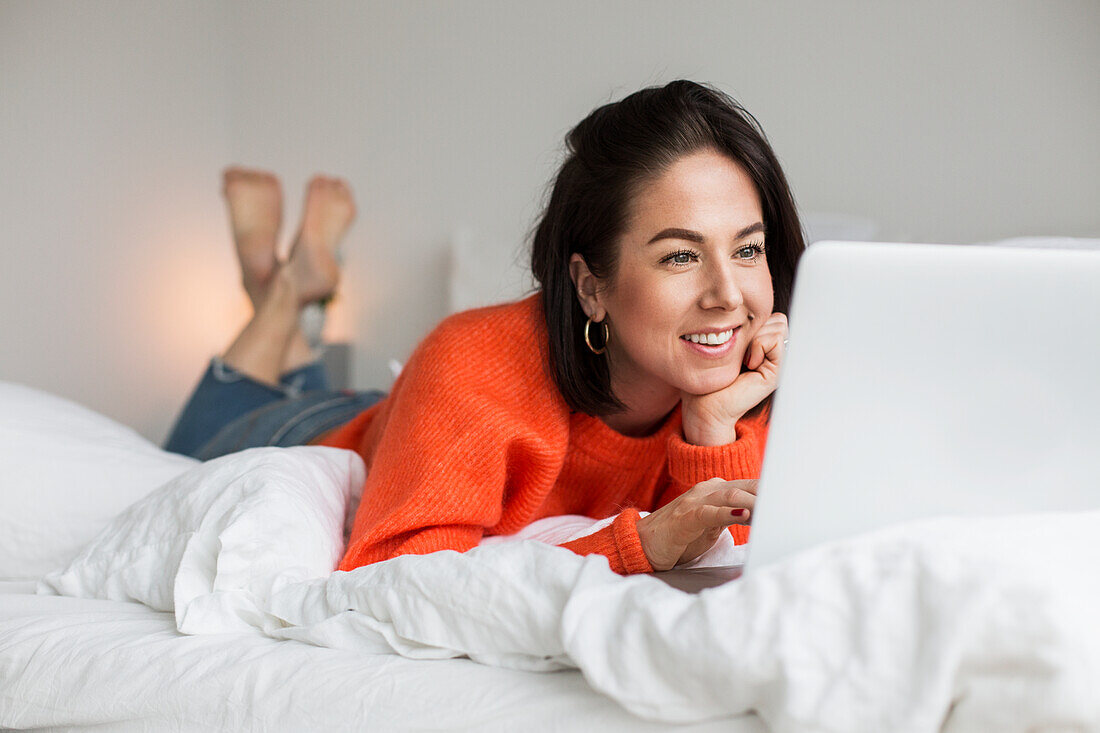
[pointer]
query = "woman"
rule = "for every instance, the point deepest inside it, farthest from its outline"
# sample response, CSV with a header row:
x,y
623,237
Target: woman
x,y
639,376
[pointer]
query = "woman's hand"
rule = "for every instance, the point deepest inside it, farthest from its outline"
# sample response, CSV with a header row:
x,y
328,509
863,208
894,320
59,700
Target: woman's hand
x,y
690,524
709,419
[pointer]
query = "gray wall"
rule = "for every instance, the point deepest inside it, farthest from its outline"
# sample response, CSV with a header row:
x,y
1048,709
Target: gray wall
x,y
938,121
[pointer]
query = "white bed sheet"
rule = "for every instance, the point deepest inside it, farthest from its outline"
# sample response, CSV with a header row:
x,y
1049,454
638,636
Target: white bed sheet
x,y
953,625
120,667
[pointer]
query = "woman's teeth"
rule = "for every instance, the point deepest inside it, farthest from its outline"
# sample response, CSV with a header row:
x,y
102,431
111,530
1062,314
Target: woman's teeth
x,y
711,339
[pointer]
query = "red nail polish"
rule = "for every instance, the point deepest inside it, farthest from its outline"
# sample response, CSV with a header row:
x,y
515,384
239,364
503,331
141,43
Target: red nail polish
x,y
739,512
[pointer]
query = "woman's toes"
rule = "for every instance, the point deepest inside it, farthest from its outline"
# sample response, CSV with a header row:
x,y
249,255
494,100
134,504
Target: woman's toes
x,y
329,211
255,200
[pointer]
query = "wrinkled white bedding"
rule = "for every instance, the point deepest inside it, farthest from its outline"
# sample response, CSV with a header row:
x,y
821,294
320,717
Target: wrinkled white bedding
x,y
956,624
112,667
887,633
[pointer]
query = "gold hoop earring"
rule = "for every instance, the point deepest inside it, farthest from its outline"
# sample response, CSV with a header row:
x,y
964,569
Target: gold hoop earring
x,y
606,337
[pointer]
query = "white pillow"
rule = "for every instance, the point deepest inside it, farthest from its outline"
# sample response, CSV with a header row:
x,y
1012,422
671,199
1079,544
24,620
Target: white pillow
x,y
214,543
65,471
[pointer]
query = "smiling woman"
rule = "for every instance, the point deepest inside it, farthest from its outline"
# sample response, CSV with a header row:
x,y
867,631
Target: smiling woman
x,y
679,317
668,184
637,378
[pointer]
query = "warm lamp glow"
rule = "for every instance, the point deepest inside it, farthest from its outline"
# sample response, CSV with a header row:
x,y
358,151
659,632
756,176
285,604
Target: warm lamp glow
x,y
196,308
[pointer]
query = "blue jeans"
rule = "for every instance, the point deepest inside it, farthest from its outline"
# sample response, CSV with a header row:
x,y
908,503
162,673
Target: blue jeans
x,y
229,411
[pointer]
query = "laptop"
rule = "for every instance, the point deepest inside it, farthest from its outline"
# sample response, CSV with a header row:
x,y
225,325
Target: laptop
x,y
927,380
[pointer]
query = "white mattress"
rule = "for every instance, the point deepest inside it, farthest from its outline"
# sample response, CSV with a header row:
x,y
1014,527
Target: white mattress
x,y
80,663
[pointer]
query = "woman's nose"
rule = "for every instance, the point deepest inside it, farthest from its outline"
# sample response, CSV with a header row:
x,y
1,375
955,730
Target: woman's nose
x,y
722,290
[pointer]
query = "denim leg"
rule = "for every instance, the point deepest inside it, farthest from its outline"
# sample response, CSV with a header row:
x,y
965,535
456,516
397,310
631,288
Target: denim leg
x,y
288,422
222,395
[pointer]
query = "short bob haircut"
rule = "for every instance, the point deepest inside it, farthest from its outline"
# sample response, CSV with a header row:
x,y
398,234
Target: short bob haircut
x,y
612,153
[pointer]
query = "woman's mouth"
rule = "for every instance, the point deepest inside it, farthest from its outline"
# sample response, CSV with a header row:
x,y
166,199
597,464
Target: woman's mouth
x,y
712,344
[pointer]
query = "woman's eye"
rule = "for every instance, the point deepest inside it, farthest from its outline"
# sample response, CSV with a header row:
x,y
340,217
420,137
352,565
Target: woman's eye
x,y
753,250
683,257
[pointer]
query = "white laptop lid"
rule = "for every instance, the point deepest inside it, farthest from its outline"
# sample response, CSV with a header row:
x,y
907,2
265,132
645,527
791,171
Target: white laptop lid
x,y
925,380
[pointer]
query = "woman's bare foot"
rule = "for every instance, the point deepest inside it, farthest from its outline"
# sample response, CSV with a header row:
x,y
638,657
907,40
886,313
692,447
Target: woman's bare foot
x,y
255,203
329,211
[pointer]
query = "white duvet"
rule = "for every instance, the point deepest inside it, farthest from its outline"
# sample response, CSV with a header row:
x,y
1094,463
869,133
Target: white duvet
x,y
955,624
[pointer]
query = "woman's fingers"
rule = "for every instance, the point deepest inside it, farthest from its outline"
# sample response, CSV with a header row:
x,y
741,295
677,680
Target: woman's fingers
x,y
717,517
706,488
730,493
746,484
764,347
724,507
753,353
693,521
768,342
739,498
718,503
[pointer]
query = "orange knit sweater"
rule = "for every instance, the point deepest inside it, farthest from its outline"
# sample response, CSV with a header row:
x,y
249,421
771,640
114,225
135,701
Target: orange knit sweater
x,y
475,439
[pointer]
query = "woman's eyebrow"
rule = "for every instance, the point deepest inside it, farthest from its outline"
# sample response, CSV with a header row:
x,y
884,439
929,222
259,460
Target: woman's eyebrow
x,y
692,236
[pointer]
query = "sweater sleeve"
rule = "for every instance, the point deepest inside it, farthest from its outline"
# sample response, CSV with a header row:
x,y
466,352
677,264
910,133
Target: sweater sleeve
x,y
742,459
446,449
689,464
619,542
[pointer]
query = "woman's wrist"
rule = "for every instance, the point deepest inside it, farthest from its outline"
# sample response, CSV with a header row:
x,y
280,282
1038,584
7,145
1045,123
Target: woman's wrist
x,y
710,435
649,544
642,527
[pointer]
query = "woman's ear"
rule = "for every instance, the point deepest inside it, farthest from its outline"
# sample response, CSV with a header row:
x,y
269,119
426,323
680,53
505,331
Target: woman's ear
x,y
587,287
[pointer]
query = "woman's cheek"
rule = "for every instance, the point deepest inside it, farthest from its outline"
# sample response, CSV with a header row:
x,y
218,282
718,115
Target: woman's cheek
x,y
714,380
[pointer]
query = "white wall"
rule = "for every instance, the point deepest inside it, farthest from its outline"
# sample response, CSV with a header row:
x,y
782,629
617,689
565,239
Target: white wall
x,y
113,126
940,121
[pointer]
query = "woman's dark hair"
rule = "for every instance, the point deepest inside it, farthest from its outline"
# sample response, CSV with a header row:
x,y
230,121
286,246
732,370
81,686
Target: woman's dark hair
x,y
613,152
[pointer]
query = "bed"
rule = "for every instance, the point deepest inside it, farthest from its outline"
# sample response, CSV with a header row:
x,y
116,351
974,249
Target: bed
x,y
145,591
83,664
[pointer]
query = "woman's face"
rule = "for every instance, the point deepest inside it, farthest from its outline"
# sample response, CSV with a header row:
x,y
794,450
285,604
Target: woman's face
x,y
691,267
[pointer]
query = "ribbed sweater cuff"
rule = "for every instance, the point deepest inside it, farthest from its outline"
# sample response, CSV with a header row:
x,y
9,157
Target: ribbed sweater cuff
x,y
619,542
689,464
